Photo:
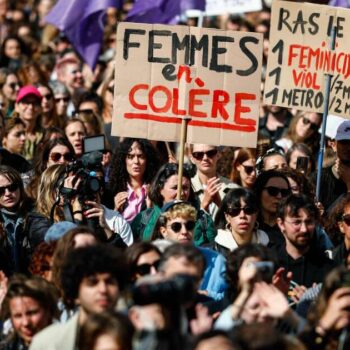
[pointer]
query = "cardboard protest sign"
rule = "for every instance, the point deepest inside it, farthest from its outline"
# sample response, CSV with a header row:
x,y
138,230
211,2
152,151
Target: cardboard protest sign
x,y
220,7
300,57
165,73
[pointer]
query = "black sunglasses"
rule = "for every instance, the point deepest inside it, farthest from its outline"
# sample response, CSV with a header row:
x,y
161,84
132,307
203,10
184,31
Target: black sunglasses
x,y
111,89
274,191
236,211
248,169
64,99
346,219
145,269
56,156
11,188
13,85
200,155
313,126
48,96
177,226
84,111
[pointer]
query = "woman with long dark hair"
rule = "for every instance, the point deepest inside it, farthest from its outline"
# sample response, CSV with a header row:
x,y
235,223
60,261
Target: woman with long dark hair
x,y
134,165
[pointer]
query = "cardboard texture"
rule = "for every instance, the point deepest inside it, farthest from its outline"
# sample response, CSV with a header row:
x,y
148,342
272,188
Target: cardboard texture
x,y
165,73
300,57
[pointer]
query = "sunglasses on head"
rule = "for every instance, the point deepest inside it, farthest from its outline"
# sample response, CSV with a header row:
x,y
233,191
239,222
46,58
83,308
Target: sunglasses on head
x,y
200,155
145,269
11,188
56,156
236,211
248,169
275,191
346,219
64,99
313,126
177,226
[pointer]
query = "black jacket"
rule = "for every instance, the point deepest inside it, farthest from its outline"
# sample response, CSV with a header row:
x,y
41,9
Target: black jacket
x,y
310,268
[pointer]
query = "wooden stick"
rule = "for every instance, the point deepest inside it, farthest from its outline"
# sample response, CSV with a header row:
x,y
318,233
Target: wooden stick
x,y
183,137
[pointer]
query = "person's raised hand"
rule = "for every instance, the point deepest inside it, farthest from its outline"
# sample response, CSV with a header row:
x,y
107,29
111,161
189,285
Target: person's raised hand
x,y
119,200
211,193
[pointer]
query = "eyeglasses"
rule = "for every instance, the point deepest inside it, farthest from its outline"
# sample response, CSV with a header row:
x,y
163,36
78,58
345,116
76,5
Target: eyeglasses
x,y
275,191
111,89
11,188
346,219
236,211
84,111
177,226
35,103
55,156
145,269
62,99
200,155
313,126
248,169
48,96
298,223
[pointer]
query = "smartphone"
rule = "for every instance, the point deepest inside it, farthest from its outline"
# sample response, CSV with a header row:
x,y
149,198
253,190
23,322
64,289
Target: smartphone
x,y
94,143
302,164
265,270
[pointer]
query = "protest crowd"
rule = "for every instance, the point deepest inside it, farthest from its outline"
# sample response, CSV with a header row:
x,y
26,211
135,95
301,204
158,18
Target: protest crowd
x,y
112,242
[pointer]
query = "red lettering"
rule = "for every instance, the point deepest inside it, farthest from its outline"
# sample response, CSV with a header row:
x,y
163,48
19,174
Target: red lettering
x,y
167,104
292,54
296,77
132,96
175,108
220,99
186,70
193,102
239,109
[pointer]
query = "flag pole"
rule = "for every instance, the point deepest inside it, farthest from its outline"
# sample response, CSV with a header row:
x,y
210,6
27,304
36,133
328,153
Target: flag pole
x,y
324,120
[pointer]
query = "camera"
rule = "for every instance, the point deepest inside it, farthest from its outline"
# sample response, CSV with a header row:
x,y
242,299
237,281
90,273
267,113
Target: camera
x,y
177,291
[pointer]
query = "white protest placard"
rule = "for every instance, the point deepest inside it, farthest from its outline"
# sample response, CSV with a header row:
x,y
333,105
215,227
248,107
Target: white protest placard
x,y
300,57
220,7
165,73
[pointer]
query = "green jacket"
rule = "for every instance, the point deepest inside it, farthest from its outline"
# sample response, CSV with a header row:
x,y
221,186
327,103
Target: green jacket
x,y
144,223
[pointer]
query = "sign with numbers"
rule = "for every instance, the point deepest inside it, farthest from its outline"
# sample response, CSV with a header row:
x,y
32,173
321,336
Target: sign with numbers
x,y
300,56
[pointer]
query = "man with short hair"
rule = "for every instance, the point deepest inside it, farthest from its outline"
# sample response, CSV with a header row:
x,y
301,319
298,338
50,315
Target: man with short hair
x,y
207,184
300,254
91,278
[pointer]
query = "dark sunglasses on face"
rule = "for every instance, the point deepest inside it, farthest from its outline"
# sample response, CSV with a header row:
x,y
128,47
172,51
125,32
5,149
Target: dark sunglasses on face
x,y
248,169
346,219
64,99
55,156
274,191
48,96
111,89
13,85
84,111
11,188
145,269
177,226
236,211
200,155
313,126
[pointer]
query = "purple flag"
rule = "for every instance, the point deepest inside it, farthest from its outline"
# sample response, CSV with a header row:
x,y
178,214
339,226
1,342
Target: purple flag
x,y
339,3
82,22
162,11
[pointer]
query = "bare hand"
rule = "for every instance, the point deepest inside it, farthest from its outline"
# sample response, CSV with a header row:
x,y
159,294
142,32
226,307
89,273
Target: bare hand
x,y
96,211
203,321
119,200
211,193
297,292
337,315
282,281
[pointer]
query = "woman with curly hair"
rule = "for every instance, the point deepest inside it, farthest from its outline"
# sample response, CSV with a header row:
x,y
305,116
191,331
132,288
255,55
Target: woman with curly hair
x,y
134,165
16,243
